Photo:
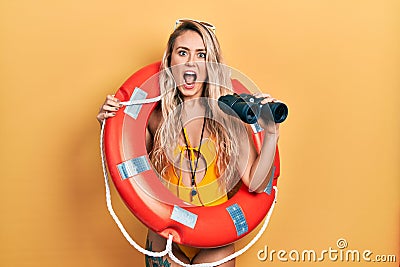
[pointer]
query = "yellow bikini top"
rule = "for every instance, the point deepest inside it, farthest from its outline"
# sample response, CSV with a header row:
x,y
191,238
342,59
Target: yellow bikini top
x,y
208,189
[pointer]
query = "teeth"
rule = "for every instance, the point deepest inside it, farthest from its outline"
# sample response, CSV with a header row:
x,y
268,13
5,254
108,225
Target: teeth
x,y
190,77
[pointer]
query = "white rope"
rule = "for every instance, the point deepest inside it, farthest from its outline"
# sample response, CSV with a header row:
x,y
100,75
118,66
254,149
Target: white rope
x,y
168,247
237,253
141,101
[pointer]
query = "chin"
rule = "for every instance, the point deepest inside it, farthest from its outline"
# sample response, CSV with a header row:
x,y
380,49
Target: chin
x,y
187,91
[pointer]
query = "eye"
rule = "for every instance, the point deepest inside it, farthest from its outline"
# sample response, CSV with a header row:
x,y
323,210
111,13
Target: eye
x,y
201,55
182,53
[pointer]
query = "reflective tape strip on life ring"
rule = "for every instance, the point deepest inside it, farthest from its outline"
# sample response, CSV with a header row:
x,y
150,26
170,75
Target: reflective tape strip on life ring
x,y
130,170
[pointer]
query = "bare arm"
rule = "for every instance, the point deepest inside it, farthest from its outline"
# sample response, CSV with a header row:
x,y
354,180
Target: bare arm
x,y
257,167
149,140
153,123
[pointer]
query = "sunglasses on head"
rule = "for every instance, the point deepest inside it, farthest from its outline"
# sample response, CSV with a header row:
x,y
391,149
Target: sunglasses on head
x,y
205,24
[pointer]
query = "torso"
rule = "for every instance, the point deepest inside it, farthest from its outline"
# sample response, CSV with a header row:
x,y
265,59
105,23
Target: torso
x,y
193,129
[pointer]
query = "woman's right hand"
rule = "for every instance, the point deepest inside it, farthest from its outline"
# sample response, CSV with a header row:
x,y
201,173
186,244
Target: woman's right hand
x,y
109,108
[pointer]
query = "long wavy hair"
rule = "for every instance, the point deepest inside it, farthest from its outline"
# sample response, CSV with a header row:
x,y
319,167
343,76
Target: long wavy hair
x,y
221,127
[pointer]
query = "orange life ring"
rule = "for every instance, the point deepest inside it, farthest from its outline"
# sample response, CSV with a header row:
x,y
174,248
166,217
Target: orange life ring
x,y
130,169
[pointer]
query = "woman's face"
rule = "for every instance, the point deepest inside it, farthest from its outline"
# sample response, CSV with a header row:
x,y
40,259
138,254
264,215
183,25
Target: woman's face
x,y
188,58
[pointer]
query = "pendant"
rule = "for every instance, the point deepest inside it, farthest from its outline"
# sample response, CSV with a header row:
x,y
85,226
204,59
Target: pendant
x,y
193,192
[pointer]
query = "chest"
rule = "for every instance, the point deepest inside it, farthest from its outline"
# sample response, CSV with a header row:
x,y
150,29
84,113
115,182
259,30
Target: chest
x,y
194,131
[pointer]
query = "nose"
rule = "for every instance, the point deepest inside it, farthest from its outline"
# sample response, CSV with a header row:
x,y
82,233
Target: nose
x,y
190,59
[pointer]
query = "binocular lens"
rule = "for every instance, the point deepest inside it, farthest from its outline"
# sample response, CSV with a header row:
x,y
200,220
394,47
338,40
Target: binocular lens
x,y
247,112
250,111
279,111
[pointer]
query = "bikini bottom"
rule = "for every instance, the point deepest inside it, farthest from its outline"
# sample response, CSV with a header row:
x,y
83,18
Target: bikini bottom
x,y
190,252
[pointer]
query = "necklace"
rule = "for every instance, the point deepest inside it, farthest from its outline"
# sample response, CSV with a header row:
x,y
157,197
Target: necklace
x,y
193,169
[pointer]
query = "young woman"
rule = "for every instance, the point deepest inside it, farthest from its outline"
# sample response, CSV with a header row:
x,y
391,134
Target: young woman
x,y
191,143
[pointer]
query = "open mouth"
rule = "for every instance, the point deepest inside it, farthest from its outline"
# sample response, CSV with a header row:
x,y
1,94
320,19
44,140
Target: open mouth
x,y
190,78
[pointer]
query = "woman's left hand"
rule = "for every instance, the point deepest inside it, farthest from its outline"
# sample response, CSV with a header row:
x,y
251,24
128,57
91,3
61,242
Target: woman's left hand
x,y
267,98
269,126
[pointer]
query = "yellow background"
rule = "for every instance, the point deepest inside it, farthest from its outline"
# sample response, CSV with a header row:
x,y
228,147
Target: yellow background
x,y
336,64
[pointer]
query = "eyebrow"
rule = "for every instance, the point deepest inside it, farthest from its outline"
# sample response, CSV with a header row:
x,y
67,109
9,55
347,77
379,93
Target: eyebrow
x,y
185,48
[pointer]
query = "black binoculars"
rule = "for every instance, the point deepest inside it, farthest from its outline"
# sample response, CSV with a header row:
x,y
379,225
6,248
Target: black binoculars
x,y
249,108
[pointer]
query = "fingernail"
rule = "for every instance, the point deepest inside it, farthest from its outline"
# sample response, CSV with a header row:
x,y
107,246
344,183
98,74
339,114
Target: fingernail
x,y
113,113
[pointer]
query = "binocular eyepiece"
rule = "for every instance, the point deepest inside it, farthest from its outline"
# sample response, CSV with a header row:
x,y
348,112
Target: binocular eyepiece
x,y
249,108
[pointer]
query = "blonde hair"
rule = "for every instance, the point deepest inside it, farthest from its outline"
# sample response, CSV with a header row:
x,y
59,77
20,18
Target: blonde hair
x,y
218,83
